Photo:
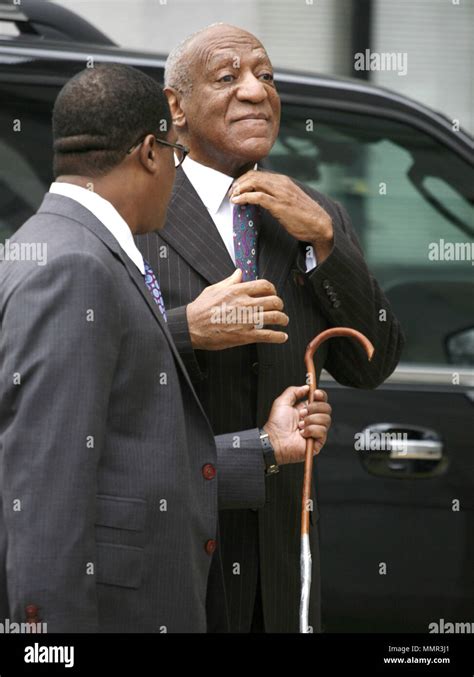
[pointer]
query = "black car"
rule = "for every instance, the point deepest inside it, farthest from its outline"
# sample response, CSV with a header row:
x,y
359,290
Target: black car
x,y
397,525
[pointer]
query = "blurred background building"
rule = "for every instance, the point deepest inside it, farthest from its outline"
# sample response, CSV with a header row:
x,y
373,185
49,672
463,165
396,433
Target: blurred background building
x,y
321,36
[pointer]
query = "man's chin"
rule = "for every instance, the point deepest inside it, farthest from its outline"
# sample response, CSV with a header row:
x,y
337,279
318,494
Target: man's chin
x,y
253,150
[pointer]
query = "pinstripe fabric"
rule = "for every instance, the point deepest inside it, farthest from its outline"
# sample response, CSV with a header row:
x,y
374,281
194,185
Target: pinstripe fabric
x,y
237,386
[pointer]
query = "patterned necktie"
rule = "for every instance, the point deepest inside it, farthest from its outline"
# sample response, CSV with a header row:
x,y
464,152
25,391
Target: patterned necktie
x,y
246,219
152,284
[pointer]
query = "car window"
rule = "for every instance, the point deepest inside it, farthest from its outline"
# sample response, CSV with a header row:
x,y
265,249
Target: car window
x,y
411,201
25,152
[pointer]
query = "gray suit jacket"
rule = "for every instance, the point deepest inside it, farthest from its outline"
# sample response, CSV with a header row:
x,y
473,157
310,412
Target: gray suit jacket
x,y
237,386
106,512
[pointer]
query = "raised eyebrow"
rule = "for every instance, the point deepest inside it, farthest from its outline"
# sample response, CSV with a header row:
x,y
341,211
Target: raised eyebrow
x,y
218,62
261,55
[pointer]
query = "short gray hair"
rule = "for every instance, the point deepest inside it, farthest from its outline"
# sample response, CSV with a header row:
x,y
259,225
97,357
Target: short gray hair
x,y
177,71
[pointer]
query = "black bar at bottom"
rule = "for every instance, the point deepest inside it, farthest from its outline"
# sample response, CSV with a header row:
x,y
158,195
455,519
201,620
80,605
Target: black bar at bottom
x,y
325,654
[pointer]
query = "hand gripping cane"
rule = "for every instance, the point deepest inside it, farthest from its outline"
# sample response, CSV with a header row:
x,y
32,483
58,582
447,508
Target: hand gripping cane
x,y
305,557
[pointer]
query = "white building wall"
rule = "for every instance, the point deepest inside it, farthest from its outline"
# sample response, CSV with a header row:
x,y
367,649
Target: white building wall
x,y
438,37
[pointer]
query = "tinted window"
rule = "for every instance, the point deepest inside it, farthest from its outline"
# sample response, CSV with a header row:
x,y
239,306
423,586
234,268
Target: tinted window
x,y
411,200
25,152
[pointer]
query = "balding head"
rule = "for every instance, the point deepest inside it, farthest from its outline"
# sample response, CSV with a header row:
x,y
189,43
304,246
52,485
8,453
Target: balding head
x,y
187,54
224,104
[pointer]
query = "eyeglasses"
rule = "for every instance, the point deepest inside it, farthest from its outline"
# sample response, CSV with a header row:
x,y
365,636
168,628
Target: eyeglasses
x,y
179,154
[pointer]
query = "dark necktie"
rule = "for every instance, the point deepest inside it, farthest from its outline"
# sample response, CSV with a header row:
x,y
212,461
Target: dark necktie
x,y
152,284
246,219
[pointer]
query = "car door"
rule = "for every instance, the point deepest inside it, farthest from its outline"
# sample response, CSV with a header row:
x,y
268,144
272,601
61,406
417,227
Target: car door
x,y
396,478
25,149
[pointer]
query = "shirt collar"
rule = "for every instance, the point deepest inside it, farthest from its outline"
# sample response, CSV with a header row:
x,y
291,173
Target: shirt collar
x,y
211,186
107,214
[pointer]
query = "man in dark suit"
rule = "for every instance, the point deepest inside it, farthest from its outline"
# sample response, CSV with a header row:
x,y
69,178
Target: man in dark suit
x,y
226,214
110,475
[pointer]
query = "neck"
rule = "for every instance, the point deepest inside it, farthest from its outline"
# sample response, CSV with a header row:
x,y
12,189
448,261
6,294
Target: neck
x,y
231,168
117,193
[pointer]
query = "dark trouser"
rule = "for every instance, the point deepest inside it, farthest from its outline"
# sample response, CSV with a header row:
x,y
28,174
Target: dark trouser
x,y
258,623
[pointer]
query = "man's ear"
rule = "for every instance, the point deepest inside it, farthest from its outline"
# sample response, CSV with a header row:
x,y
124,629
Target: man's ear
x,y
148,154
177,113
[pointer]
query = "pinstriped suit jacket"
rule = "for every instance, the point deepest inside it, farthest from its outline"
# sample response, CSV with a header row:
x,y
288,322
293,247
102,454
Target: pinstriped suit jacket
x,y
237,386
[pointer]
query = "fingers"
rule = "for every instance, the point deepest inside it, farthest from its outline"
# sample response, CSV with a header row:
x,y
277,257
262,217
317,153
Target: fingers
x,y
318,445
307,424
235,278
258,288
268,336
292,394
256,198
316,413
265,303
255,317
320,395
316,431
315,420
275,317
318,408
253,180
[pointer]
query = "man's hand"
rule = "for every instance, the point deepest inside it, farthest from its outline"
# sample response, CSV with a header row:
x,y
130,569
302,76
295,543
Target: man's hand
x,y
292,421
301,216
233,313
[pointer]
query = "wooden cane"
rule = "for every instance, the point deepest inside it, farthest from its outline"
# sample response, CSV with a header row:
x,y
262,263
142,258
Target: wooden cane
x,y
305,557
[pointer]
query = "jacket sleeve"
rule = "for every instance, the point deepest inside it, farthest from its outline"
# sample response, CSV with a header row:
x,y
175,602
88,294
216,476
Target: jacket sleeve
x,y
348,295
241,470
58,351
179,328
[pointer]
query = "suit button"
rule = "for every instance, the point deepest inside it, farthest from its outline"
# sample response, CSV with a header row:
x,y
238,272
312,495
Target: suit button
x,y
208,471
336,304
255,367
299,279
32,611
210,546
333,296
326,284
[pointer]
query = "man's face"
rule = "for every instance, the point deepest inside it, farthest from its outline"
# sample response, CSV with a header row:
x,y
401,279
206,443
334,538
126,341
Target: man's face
x,y
155,185
164,179
232,113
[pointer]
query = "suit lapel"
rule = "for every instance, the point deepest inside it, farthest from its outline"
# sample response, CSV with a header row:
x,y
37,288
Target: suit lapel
x,y
276,251
191,231
64,206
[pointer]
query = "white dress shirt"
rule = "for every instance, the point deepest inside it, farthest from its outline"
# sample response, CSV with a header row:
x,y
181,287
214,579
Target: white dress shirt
x,y
212,187
107,215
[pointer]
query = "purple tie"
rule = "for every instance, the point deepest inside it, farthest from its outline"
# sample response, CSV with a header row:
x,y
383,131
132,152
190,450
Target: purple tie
x,y
152,284
246,219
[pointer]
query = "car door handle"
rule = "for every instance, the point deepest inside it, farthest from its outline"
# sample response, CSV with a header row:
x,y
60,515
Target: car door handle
x,y
423,450
401,450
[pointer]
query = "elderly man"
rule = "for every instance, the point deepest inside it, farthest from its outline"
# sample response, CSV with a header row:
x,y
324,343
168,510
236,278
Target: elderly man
x,y
226,214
